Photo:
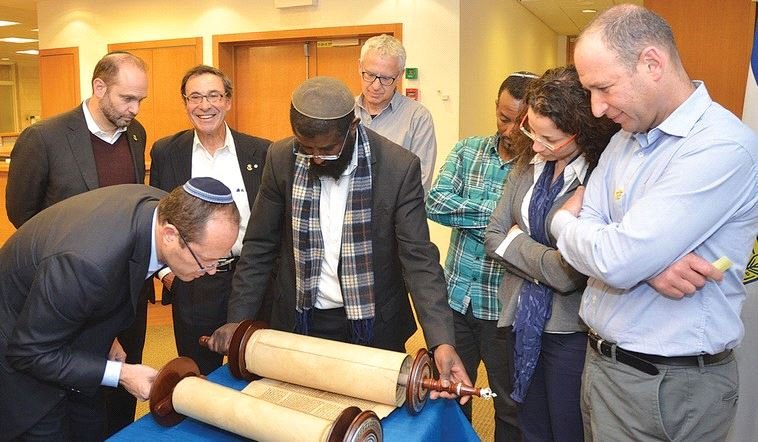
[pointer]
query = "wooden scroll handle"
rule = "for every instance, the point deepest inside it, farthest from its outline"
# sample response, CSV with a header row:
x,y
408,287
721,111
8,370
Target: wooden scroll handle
x,y
161,404
421,381
354,425
459,388
237,347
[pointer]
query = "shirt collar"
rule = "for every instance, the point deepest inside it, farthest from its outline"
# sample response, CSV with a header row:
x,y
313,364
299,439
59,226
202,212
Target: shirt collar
x,y
391,105
684,117
154,264
575,169
494,148
92,125
228,142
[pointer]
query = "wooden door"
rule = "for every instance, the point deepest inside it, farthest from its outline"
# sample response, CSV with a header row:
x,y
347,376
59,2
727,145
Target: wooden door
x,y
162,112
339,58
266,67
59,80
714,43
264,78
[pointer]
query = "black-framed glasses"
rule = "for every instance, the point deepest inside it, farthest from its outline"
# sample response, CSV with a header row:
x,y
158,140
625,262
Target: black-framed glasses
x,y
296,151
370,78
537,139
221,262
214,97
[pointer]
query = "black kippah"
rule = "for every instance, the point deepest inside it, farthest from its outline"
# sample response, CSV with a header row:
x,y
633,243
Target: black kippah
x,y
209,189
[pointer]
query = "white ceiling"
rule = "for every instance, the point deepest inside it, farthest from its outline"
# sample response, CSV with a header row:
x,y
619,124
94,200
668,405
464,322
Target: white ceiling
x,y
565,17
24,12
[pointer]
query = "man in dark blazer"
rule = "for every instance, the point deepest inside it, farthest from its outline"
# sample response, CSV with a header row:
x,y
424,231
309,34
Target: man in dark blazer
x,y
70,280
236,159
370,226
97,144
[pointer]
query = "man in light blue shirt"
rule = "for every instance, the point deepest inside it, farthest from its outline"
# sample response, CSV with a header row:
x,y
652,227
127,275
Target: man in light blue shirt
x,y
675,190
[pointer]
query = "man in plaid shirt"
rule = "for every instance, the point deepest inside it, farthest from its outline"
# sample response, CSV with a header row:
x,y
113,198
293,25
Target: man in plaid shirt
x,y
463,197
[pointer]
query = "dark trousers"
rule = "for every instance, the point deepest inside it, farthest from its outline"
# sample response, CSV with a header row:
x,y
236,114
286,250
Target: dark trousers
x,y
478,340
198,308
120,405
551,410
75,418
333,324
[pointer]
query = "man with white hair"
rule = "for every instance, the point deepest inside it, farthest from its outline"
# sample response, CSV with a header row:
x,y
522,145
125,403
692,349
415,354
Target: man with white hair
x,y
390,114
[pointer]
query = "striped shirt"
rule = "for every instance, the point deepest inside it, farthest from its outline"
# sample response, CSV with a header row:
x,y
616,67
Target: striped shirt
x,y
466,192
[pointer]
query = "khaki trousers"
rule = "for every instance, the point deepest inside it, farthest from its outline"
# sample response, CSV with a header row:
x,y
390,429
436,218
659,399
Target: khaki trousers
x,y
621,403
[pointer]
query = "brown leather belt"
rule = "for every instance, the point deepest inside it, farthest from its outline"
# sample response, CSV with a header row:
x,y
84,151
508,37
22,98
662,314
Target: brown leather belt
x,y
645,362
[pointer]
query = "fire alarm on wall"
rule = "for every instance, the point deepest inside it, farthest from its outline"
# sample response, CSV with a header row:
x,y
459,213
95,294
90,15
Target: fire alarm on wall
x,y
411,93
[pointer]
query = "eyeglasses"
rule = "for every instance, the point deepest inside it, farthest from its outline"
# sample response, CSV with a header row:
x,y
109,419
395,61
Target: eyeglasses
x,y
536,139
369,78
205,268
296,151
213,97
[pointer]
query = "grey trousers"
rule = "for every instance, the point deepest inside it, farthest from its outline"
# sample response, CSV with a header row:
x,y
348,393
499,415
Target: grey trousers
x,y
621,403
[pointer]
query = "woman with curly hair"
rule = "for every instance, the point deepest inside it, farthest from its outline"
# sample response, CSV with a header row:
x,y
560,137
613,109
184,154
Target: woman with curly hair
x,y
560,142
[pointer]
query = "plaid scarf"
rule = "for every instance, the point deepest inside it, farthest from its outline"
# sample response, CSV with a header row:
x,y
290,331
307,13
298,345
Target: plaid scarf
x,y
356,254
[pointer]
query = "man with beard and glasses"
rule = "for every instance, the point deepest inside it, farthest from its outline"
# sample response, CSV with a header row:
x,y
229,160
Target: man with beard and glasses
x,y
96,144
342,208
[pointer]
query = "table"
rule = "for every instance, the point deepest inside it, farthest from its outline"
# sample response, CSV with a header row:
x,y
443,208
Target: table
x,y
440,420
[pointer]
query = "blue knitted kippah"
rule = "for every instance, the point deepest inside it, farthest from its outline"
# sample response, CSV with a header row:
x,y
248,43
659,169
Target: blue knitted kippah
x,y
209,189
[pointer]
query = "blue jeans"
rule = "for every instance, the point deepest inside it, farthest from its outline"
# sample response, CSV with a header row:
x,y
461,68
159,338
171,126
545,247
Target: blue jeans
x,y
551,410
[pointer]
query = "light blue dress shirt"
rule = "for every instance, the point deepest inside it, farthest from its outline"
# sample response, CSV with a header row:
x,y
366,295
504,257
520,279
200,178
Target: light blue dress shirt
x,y
688,185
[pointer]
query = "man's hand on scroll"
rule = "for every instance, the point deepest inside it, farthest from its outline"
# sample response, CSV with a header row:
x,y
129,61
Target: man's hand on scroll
x,y
451,370
685,276
137,379
219,341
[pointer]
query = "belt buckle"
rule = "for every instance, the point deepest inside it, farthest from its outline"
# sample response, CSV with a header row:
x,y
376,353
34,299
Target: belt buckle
x,y
599,344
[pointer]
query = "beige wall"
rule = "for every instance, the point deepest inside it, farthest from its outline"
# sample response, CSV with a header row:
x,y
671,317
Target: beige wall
x,y
92,25
28,92
497,37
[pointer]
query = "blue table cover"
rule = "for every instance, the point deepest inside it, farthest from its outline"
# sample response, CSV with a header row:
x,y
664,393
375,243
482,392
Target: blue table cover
x,y
440,420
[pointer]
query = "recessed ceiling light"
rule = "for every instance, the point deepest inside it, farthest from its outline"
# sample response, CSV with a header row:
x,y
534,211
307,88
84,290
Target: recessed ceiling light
x,y
29,52
4,59
18,40
8,23
589,11
35,30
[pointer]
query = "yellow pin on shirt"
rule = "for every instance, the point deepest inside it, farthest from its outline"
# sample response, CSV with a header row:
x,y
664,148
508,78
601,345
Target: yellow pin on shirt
x,y
618,194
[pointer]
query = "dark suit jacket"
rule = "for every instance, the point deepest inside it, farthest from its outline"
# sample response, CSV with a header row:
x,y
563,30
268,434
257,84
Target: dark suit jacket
x,y
403,254
53,160
171,164
70,279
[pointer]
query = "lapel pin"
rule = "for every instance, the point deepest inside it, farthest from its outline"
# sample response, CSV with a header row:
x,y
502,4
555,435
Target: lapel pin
x,y
134,137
